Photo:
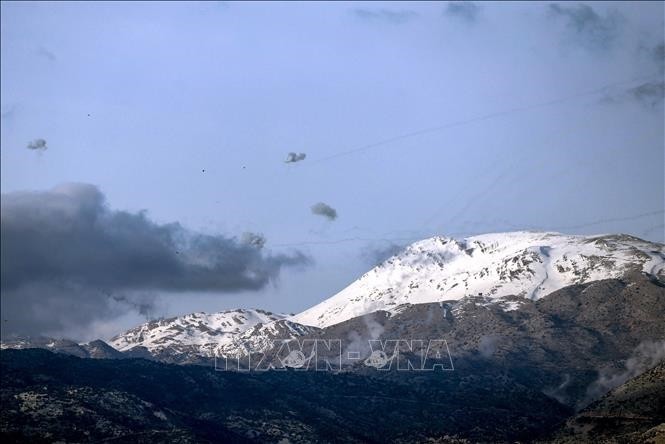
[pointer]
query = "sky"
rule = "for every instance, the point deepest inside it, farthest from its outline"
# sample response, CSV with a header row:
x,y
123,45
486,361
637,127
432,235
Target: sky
x,y
144,149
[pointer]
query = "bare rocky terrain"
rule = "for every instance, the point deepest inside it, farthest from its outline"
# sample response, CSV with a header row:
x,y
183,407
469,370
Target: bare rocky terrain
x,y
634,412
519,375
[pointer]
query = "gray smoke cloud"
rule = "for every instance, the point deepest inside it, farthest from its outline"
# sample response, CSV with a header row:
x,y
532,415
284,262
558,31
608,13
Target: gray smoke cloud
x,y
487,346
8,112
257,240
295,157
143,303
67,259
589,29
43,52
645,356
650,93
467,11
358,340
386,15
559,392
38,145
375,255
322,209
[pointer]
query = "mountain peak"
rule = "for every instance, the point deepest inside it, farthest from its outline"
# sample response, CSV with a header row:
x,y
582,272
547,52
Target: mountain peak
x,y
204,331
495,265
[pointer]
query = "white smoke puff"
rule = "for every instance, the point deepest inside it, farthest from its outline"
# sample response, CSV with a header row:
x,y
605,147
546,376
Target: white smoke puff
x,y
487,346
645,356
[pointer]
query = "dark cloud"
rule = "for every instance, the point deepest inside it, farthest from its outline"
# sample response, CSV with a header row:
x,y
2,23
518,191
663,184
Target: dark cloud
x,y
143,303
295,157
322,209
67,258
376,254
467,11
589,28
386,15
37,145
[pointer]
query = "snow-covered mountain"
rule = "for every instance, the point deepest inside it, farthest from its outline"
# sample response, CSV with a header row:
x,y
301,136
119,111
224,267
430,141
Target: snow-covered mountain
x,y
200,334
489,267
262,337
528,264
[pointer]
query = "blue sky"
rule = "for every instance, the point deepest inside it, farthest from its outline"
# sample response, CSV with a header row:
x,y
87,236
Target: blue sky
x,y
138,99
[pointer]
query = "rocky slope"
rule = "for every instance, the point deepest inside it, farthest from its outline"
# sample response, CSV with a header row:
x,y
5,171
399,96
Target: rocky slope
x,y
49,397
562,344
634,412
262,337
195,337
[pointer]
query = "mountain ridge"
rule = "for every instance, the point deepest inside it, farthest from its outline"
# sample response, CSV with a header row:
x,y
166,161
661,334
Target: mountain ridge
x,y
503,270
495,265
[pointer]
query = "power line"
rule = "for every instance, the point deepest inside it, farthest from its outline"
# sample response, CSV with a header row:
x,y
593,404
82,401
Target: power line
x,y
604,221
461,123
348,239
466,233
480,118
